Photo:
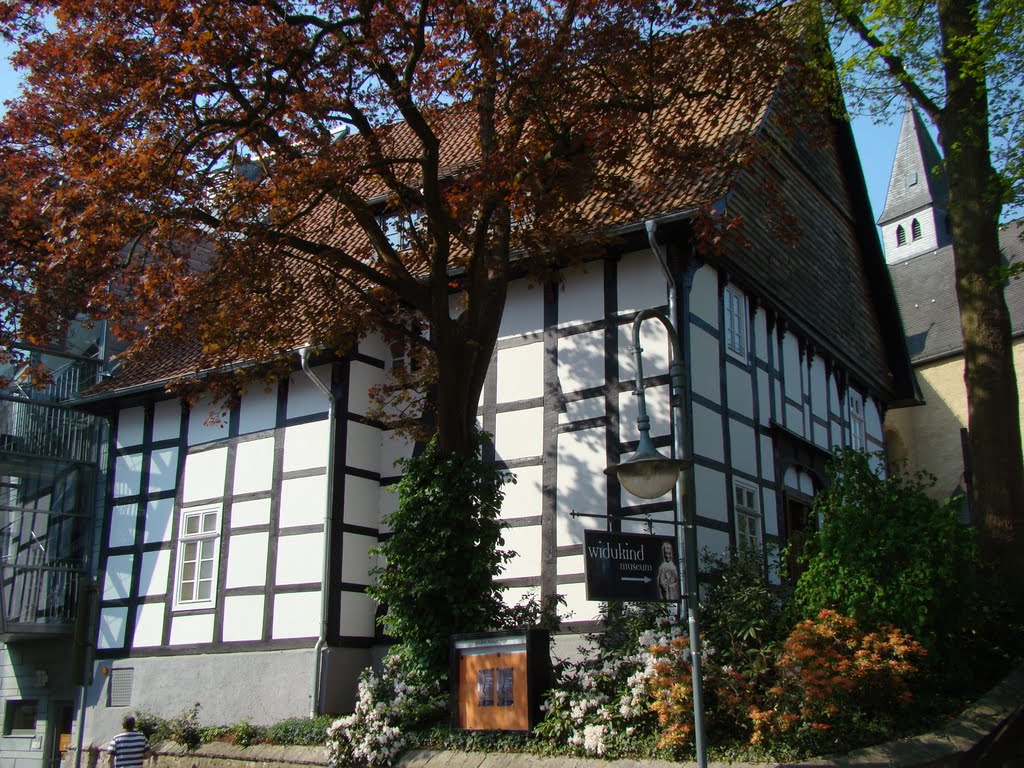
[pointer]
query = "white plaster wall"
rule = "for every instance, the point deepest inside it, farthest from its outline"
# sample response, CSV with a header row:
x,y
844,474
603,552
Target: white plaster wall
x,y
764,398
656,350
707,433
581,361
117,579
243,618
581,482
364,449
258,409
362,501
582,297
819,388
207,421
520,373
130,422
300,559
770,513
156,567
358,612
304,398
167,420
761,334
767,459
524,498
659,411
128,475
519,434
122,525
793,370
111,627
247,560
356,561
159,515
296,614
743,446
254,466
821,435
704,365
163,470
305,446
372,345
362,376
204,475
525,543
872,420
710,493
704,295
149,625
392,448
641,283
739,391
580,410
191,629
251,512
524,308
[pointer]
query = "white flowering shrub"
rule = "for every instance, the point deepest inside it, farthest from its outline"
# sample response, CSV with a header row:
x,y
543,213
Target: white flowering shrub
x,y
602,705
388,705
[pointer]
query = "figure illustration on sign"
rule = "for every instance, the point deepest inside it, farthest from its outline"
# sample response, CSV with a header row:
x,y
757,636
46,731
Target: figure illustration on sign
x,y
668,574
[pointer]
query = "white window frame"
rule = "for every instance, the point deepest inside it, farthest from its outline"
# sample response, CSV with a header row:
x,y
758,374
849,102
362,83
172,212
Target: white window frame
x,y
855,404
735,322
747,511
398,228
196,546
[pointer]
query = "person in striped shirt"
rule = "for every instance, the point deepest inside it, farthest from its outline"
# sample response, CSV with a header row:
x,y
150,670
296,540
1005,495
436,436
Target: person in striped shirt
x,y
129,748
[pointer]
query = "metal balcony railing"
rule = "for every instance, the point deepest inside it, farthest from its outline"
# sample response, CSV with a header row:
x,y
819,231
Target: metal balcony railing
x,y
46,430
41,594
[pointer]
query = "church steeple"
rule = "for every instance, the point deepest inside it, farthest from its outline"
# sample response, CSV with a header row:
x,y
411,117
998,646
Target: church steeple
x,y
914,219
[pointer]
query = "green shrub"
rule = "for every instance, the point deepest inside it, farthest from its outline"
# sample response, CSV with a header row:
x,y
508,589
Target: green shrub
x,y
443,553
184,728
303,731
887,554
153,727
245,734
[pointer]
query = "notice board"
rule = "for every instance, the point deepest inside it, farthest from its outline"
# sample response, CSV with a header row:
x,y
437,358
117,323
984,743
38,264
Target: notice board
x,y
498,679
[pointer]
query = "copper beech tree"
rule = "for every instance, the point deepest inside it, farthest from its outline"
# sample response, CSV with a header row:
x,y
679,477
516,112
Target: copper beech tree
x,y
237,179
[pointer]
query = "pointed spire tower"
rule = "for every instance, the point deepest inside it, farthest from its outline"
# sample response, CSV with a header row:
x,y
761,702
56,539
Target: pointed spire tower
x,y
915,216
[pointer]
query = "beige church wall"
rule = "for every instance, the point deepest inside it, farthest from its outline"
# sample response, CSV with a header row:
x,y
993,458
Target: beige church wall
x,y
928,437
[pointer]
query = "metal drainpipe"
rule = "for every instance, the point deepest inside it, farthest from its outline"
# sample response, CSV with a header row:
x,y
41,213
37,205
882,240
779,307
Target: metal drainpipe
x,y
325,581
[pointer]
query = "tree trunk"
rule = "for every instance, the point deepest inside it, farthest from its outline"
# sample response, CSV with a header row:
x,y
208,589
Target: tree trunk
x,y
992,397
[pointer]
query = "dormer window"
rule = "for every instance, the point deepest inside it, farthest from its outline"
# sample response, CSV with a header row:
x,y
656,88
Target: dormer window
x,y
399,228
901,235
915,230
912,179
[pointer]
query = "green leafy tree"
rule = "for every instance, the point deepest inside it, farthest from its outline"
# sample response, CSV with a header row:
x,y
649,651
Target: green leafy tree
x,y
962,63
443,553
887,554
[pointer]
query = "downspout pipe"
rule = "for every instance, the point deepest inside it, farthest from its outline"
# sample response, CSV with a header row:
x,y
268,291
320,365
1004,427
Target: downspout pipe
x,y
321,640
685,512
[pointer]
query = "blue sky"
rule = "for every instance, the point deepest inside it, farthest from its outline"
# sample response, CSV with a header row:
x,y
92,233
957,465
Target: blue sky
x,y
875,143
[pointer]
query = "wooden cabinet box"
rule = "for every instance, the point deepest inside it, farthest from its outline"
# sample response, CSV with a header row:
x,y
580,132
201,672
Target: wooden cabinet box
x,y
498,679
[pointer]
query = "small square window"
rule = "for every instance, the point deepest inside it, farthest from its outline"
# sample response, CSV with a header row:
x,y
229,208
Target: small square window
x,y
20,717
198,550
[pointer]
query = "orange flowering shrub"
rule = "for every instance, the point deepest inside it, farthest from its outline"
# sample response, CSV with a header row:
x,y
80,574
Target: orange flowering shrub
x,y
833,676
727,694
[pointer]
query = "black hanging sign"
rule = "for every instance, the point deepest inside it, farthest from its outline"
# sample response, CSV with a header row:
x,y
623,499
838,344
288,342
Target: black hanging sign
x,y
637,567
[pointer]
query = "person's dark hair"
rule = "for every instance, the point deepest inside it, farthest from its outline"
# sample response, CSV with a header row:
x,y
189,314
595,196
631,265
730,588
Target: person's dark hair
x,y
128,723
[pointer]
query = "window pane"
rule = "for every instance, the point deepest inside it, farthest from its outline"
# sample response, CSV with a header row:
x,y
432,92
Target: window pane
x,y
204,590
191,524
209,522
187,591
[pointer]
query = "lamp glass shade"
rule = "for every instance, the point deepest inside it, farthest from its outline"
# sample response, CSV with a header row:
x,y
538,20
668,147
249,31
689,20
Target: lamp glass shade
x,y
647,474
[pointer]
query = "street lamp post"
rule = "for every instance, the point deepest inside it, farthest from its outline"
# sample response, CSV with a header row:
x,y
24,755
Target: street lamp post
x,y
648,474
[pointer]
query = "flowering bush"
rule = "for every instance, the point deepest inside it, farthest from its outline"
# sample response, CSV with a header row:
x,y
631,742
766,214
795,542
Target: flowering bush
x,y
834,678
388,705
603,706
727,695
